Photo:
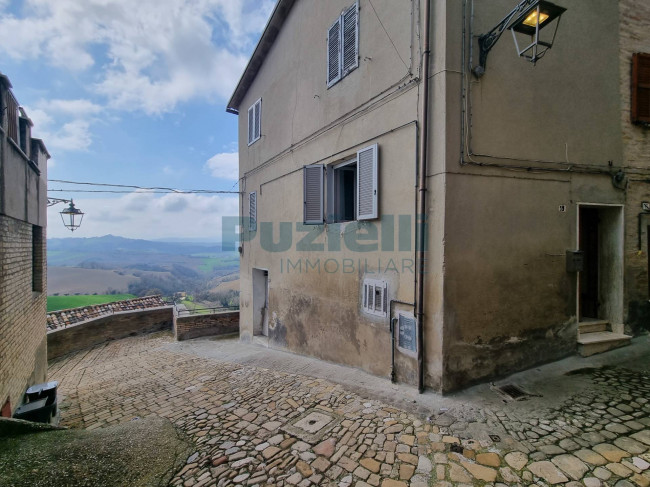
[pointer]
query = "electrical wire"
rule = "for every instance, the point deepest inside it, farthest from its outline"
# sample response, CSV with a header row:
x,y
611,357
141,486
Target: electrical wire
x,y
161,190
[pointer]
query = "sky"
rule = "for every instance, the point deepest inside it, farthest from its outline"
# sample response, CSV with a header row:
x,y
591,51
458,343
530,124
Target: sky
x,y
134,93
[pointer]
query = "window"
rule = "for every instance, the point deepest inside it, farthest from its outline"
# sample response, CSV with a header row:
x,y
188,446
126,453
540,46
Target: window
x,y
12,117
343,45
38,259
342,195
252,211
375,297
641,88
352,188
255,122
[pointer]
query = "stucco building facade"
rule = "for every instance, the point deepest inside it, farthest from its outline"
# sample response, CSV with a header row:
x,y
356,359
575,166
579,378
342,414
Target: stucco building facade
x,y
355,116
23,268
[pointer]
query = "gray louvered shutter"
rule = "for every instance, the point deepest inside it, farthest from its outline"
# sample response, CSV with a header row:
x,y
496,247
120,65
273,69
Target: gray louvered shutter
x,y
252,211
251,124
313,194
334,53
367,203
258,119
350,30
407,332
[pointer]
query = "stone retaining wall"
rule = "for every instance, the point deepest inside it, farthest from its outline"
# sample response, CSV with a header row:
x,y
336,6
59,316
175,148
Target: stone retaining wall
x,y
112,327
194,326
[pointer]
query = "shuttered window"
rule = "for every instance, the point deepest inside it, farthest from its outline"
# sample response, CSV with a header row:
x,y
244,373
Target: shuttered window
x,y
375,297
367,183
252,211
255,122
641,88
12,117
313,194
334,53
343,45
350,49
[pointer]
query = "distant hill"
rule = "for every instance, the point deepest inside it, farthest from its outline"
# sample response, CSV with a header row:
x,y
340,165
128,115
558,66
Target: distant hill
x,y
135,265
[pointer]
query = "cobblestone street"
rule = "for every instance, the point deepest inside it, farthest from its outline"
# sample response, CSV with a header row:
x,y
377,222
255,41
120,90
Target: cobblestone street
x,y
270,426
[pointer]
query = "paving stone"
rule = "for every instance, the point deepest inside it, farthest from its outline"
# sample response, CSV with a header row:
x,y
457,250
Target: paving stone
x,y
406,471
480,472
610,452
590,456
489,459
458,474
393,483
509,476
370,464
551,450
642,436
571,466
592,482
547,471
640,463
517,460
630,445
326,448
424,465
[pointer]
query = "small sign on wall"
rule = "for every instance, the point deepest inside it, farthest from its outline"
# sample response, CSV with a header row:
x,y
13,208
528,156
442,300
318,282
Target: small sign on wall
x,y
645,206
407,333
562,208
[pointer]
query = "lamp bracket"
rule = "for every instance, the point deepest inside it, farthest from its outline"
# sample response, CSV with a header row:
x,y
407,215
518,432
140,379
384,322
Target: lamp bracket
x,y
56,201
487,41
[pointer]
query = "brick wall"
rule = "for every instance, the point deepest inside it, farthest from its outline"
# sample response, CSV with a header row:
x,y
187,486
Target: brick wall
x,y
23,342
113,327
187,327
635,37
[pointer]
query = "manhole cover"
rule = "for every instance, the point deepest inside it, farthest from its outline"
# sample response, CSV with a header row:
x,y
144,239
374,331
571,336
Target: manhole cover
x,y
512,392
312,425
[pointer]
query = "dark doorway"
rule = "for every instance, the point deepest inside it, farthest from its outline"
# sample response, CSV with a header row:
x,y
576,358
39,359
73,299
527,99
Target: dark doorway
x,y
589,278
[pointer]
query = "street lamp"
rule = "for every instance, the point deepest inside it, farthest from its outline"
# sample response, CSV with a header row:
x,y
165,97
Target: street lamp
x,y
71,216
527,18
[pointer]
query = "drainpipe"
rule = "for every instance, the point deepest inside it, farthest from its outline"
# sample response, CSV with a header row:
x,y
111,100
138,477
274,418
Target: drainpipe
x,y
422,192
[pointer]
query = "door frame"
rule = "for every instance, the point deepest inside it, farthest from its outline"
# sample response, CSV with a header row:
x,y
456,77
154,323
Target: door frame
x,y
614,310
259,329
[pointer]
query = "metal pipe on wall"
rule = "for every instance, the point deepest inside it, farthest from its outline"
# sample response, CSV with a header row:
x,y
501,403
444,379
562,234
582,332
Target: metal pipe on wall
x,y
422,193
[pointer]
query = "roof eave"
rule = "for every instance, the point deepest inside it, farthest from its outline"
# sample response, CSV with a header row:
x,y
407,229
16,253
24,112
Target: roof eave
x,y
271,31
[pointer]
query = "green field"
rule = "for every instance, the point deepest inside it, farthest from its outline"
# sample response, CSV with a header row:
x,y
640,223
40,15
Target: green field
x,y
55,303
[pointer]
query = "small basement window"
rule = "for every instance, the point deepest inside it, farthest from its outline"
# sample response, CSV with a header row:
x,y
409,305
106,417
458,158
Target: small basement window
x,y
375,297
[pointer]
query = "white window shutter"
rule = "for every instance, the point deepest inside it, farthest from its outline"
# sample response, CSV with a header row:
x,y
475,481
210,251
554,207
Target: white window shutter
x,y
313,194
367,183
258,119
252,211
334,53
251,124
350,57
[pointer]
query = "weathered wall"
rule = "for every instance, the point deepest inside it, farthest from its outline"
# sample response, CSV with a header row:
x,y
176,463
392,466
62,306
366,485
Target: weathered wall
x,y
112,327
508,301
315,284
215,324
635,37
23,344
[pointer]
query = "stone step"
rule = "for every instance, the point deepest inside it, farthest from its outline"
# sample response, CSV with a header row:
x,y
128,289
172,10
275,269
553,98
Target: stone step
x,y
601,341
592,326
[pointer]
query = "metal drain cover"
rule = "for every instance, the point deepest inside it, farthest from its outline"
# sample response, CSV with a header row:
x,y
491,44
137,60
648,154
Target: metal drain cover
x,y
512,392
312,425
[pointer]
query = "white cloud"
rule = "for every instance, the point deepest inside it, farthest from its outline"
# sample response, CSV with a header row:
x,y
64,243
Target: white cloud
x,y
224,165
77,108
148,216
159,53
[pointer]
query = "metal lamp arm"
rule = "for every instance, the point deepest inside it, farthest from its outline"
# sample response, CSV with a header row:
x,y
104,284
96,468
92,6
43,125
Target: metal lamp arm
x,y
487,41
56,201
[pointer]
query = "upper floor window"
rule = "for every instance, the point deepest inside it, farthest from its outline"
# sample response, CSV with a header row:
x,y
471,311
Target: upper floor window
x,y
255,122
352,188
641,88
343,45
12,117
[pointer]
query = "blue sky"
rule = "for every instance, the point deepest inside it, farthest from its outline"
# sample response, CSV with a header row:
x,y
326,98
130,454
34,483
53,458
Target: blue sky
x,y
134,92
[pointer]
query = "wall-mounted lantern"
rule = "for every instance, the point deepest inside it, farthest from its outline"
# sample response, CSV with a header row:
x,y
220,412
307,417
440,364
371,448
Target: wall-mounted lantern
x,y
526,19
71,216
